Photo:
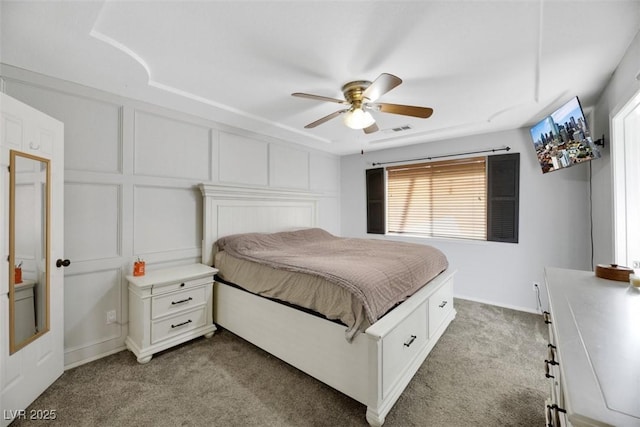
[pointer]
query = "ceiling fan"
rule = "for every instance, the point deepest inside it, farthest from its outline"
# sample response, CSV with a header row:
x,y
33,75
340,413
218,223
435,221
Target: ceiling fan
x,y
360,96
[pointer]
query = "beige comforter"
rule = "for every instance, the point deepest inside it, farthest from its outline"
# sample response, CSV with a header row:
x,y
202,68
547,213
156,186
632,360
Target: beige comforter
x,y
378,274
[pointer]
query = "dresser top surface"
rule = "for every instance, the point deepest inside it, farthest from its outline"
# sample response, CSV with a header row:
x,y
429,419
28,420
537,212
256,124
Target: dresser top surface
x,y
597,324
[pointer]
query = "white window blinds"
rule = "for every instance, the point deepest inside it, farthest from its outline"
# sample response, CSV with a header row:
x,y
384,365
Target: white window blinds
x,y
439,199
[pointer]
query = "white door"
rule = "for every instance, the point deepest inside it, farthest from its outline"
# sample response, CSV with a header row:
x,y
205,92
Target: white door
x,y
25,374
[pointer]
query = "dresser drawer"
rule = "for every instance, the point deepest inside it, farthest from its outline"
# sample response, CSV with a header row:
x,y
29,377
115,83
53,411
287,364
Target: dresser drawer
x,y
177,301
440,304
401,345
555,416
176,286
178,324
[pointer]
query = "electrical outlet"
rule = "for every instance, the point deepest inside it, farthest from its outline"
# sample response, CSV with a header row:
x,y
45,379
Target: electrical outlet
x,y
111,317
636,264
535,287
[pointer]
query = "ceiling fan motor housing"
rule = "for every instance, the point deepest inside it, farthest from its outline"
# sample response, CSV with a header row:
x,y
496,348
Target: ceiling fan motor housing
x,y
353,91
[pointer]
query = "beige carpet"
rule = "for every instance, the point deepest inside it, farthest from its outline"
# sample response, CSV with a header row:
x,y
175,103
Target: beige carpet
x,y
487,370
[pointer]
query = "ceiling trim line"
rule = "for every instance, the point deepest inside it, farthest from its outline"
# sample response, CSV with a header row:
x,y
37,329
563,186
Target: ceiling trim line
x,y
121,47
176,91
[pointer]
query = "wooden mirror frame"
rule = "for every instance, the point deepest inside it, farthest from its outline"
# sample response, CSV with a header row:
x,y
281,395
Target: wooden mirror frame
x,y
13,345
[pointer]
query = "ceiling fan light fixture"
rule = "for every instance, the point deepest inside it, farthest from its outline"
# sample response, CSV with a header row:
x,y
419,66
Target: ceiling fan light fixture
x,y
357,118
361,97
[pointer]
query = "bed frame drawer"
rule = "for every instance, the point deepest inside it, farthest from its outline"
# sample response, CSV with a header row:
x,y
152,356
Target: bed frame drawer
x,y
402,345
440,305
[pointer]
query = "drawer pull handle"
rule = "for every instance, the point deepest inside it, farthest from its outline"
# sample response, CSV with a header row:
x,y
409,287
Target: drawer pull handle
x,y
547,317
181,324
410,341
443,304
181,301
182,285
546,368
553,412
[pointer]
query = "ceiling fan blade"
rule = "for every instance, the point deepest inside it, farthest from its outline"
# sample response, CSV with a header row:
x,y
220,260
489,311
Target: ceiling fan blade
x,y
319,98
371,129
383,84
405,110
325,119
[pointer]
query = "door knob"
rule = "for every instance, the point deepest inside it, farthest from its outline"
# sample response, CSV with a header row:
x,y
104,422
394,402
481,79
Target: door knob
x,y
63,263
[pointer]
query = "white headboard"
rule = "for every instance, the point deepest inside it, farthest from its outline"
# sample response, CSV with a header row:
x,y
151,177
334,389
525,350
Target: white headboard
x,y
234,209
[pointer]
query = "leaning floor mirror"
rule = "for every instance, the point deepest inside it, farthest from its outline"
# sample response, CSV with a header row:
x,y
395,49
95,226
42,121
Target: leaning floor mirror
x,y
29,201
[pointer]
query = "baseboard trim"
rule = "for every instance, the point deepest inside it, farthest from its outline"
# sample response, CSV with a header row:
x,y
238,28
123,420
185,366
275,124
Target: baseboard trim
x,y
511,307
95,357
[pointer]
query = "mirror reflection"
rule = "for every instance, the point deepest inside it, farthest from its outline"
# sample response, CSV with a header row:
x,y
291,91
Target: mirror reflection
x,y
28,248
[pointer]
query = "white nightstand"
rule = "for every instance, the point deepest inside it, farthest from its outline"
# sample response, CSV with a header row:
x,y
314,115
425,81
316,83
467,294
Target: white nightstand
x,y
168,307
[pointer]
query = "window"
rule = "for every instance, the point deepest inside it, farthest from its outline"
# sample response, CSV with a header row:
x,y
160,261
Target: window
x,y
438,199
625,154
472,198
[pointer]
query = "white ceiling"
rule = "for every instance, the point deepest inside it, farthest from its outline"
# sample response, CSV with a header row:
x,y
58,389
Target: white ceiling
x,y
483,66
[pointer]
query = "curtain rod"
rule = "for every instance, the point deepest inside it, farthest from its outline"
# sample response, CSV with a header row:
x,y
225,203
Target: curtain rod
x,y
493,150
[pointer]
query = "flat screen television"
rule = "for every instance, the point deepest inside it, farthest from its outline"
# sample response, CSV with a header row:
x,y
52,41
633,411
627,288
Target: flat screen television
x,y
562,139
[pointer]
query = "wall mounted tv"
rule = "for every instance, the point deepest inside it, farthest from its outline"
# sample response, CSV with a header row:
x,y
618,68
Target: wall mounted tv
x,y
562,139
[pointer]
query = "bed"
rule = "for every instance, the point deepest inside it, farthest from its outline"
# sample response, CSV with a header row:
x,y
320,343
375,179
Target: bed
x,y
373,361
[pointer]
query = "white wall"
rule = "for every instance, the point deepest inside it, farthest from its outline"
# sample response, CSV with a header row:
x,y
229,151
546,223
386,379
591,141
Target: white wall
x,y
554,221
131,176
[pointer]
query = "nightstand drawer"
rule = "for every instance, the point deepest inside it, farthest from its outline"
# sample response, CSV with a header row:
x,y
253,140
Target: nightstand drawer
x,y
172,287
178,324
177,301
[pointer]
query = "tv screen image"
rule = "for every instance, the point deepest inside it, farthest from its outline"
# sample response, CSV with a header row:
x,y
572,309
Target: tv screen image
x,y
562,139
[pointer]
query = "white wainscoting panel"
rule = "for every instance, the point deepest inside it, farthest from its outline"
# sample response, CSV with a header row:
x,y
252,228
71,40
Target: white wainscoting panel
x,y
92,221
166,219
88,297
170,148
91,127
324,172
242,160
288,167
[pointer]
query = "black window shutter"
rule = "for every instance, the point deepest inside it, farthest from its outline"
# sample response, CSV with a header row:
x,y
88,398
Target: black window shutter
x,y
375,201
503,186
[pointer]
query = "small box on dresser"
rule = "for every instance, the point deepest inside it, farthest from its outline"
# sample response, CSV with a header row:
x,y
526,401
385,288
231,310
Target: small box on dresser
x,y
168,307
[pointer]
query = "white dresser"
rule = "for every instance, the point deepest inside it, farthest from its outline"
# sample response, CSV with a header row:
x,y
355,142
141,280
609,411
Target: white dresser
x,y
168,307
593,363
